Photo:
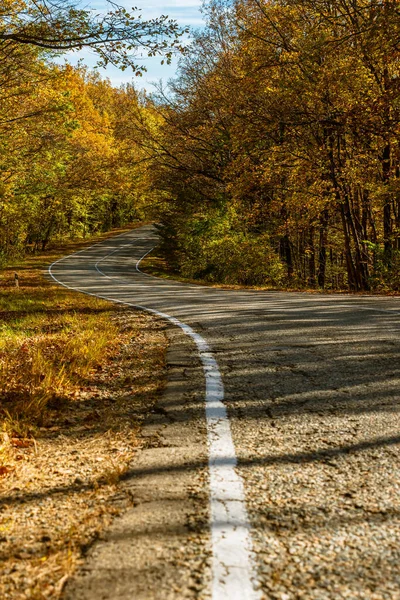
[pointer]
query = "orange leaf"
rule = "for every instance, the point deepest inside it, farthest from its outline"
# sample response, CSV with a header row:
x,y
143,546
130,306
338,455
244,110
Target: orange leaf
x,y
6,469
18,443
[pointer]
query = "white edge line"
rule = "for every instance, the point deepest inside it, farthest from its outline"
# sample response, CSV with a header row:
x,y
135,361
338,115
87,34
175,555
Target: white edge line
x,y
207,287
347,306
140,260
233,565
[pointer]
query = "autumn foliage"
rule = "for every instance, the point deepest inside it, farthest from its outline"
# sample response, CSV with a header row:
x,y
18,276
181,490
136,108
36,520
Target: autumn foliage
x,y
66,165
279,146
273,158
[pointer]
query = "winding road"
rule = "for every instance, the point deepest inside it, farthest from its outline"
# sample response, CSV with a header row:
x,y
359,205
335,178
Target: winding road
x,y
290,454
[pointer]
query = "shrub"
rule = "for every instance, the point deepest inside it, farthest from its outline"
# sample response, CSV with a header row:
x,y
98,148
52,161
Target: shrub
x,y
211,250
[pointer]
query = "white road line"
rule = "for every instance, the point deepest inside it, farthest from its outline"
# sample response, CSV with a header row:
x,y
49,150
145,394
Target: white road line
x,y
140,260
329,307
233,570
96,266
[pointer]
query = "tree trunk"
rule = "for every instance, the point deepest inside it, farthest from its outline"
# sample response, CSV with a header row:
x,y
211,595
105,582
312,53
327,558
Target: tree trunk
x,y
387,212
323,242
311,261
286,254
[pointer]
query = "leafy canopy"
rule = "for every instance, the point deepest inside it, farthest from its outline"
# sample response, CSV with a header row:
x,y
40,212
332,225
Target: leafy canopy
x,y
62,25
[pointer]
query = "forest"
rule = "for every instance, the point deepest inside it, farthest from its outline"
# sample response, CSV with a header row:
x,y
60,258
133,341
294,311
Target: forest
x,y
67,166
272,159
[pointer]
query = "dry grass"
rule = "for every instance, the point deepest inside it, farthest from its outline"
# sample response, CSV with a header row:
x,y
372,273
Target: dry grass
x,y
71,409
45,362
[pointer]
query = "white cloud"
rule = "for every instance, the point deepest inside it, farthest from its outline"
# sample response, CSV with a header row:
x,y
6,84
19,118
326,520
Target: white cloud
x,y
185,12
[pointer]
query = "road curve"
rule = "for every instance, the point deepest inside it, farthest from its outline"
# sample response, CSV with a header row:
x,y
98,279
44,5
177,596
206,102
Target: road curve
x,y
312,393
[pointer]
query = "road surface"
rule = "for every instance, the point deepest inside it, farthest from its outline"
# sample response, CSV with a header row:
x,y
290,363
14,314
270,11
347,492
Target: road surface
x,y
311,388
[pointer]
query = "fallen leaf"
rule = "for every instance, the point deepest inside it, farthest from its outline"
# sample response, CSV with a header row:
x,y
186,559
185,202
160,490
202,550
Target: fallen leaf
x,y
18,443
6,469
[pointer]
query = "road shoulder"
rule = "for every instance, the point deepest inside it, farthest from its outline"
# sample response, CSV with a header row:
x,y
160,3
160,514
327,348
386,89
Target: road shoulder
x,y
159,548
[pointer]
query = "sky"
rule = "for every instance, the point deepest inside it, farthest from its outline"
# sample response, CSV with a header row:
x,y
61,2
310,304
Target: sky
x,y
185,12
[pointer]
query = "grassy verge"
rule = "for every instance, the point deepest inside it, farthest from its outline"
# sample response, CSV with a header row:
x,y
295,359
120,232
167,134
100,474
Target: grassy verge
x,y
71,406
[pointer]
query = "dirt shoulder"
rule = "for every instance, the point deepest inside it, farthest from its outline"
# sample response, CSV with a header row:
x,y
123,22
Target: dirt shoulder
x,y
71,415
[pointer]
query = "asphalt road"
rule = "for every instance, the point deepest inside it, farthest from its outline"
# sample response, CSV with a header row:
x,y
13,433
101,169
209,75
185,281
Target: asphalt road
x,y
312,394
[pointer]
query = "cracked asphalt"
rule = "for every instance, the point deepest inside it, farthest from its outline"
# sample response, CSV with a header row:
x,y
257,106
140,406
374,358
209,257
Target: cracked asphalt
x,y
312,391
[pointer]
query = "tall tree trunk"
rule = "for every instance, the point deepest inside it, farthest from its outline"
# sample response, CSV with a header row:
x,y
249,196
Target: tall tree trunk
x,y
356,272
286,254
285,248
323,242
311,260
387,208
396,212
353,280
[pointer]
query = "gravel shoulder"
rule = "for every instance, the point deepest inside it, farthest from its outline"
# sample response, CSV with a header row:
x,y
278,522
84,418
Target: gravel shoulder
x,y
159,548
65,488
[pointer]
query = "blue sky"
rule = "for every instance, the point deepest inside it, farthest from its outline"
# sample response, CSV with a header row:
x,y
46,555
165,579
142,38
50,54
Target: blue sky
x,y
186,12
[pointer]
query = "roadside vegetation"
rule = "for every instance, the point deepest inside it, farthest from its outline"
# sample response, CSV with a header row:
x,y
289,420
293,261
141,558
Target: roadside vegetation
x,y
68,165
71,410
50,340
71,404
276,150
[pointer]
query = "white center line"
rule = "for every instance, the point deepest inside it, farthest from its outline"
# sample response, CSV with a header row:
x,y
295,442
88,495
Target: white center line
x,y
233,570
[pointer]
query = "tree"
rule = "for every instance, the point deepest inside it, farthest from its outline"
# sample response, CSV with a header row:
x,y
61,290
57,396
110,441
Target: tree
x,y
61,25
288,122
62,169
